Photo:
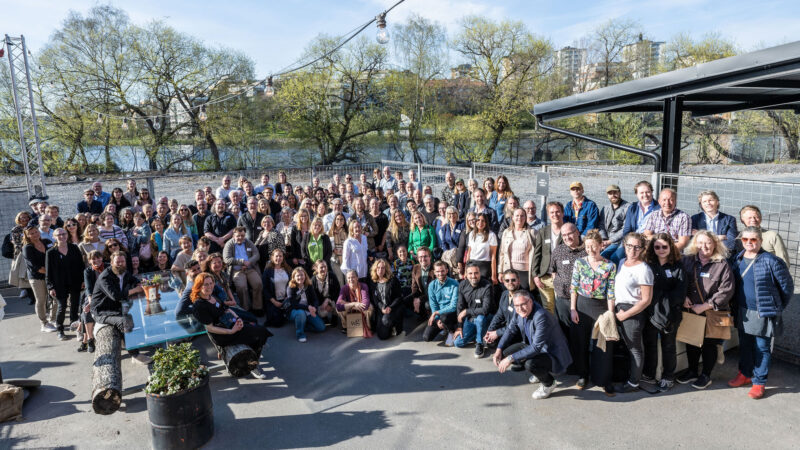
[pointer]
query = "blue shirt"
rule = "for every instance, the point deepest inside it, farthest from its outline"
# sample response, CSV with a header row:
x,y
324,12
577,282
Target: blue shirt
x,y
443,297
103,198
746,289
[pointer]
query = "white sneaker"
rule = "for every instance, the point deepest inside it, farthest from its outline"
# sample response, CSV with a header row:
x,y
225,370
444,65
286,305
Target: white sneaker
x,y
449,341
543,391
533,379
49,328
257,373
302,340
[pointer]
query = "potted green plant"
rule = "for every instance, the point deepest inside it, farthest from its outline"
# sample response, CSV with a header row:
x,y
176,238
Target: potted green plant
x,y
151,287
179,399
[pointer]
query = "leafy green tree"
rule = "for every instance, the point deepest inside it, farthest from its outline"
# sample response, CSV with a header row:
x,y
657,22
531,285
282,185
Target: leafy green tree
x,y
507,59
337,101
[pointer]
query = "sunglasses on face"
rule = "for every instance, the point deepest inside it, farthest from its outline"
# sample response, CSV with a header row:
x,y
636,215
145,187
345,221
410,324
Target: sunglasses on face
x,y
749,240
510,280
661,247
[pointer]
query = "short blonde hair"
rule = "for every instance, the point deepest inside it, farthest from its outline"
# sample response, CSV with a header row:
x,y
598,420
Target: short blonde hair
x,y
720,251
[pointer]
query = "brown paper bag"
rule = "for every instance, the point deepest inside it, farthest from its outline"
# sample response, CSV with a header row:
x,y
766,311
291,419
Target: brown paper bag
x,y
355,325
692,329
11,398
718,324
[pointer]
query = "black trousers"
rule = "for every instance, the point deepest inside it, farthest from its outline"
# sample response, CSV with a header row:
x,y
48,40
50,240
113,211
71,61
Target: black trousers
x,y
669,359
562,313
631,332
253,336
583,347
73,296
450,322
385,323
539,365
709,353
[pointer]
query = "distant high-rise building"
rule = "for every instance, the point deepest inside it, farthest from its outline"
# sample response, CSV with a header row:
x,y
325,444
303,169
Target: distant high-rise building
x,y
643,57
568,62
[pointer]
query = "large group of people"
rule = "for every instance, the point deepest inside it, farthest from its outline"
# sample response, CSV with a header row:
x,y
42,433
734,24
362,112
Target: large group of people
x,y
473,264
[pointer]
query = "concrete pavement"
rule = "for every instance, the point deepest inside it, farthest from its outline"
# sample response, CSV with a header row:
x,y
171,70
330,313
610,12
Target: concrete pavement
x,y
401,393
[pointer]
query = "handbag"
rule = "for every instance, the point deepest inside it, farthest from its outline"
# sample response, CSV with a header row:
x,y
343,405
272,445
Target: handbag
x,y
8,247
692,329
718,324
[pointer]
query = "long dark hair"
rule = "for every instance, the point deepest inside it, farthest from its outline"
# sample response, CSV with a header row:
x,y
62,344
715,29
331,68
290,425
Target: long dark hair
x,y
674,253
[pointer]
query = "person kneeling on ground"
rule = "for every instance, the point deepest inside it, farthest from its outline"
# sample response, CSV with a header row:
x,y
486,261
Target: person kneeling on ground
x,y
543,350
475,309
505,309
443,298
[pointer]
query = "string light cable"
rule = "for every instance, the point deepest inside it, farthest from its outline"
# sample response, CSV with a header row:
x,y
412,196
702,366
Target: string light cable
x,y
382,37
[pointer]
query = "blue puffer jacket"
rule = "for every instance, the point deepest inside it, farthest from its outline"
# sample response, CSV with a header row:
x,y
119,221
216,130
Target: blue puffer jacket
x,y
774,284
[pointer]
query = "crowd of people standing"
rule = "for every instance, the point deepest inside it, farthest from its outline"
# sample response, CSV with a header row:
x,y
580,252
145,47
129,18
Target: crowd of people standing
x,y
473,264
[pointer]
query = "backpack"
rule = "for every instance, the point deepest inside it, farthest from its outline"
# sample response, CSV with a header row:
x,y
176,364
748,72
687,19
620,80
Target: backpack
x,y
8,247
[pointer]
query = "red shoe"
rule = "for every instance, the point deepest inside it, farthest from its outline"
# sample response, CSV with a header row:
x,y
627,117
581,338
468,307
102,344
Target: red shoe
x,y
739,381
756,392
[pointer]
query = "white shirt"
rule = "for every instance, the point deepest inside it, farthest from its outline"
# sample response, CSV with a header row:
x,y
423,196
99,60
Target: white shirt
x,y
327,221
712,223
480,250
627,284
222,193
354,256
553,239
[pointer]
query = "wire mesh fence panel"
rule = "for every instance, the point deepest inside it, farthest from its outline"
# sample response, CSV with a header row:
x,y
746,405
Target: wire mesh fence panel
x,y
400,166
12,201
594,181
779,204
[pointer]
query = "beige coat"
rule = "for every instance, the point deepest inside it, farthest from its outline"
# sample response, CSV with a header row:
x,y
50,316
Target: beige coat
x,y
504,258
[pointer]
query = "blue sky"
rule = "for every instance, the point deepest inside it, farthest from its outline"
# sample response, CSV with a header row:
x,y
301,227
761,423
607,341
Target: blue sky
x,y
275,33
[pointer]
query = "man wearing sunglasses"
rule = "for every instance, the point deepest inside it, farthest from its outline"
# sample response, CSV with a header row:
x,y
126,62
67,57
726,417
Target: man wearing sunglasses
x,y
505,309
580,210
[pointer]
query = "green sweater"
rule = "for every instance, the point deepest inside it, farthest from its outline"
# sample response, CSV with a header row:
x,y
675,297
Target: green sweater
x,y
424,237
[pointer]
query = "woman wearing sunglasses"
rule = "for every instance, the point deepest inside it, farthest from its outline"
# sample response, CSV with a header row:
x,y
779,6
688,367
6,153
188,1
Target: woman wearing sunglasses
x,y
764,288
669,292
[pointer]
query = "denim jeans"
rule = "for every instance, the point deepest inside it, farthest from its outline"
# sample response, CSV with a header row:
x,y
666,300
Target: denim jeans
x,y
301,319
618,254
609,251
755,355
473,330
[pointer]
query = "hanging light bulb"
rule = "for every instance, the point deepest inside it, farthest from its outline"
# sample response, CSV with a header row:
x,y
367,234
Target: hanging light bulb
x,y
99,118
383,33
124,124
202,116
269,91
157,124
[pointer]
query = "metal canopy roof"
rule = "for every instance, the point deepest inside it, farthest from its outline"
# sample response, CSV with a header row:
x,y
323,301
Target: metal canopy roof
x,y
765,79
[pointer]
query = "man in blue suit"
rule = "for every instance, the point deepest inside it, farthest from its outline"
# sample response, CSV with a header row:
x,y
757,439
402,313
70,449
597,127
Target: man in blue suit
x,y
721,224
543,349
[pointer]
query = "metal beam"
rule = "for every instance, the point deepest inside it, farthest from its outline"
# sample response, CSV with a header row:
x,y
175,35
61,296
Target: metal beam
x,y
626,148
671,135
767,103
772,84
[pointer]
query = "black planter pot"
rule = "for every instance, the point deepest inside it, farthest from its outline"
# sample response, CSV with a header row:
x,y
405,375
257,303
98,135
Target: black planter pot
x,y
181,421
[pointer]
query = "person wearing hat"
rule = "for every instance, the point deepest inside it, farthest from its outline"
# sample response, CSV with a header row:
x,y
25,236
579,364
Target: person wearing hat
x,y
581,211
612,220
461,198
89,204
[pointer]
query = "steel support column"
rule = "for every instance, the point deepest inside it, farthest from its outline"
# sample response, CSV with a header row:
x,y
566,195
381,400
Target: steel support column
x,y
671,135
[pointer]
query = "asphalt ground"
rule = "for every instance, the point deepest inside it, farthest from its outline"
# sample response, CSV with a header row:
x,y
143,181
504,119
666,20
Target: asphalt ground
x,y
400,393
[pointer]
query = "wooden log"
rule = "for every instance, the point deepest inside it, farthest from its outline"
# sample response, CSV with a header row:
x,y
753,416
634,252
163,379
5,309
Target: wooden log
x,y
107,370
239,359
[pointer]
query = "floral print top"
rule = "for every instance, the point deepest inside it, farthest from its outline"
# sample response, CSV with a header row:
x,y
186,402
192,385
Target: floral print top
x,y
594,283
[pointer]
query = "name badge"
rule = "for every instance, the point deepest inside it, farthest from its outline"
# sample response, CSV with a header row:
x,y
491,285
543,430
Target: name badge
x,y
312,243
249,250
511,309
477,300
458,231
705,274
565,262
668,273
547,241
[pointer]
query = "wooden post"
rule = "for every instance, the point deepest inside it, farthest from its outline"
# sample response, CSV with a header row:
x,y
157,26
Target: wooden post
x,y
239,359
107,370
